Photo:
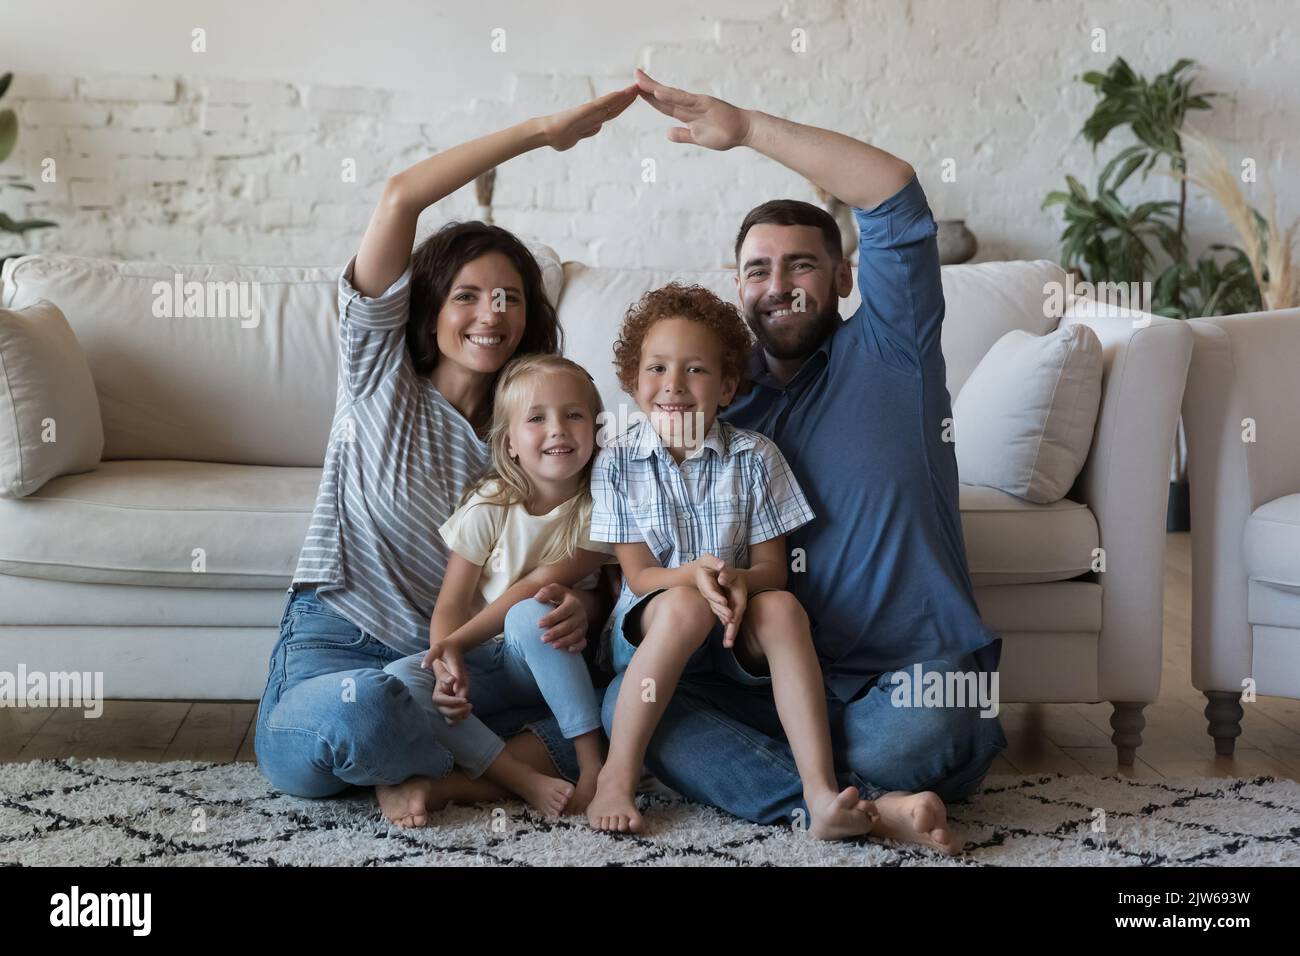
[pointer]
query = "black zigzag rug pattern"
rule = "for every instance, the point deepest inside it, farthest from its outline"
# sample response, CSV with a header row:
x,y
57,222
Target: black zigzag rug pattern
x,y
117,813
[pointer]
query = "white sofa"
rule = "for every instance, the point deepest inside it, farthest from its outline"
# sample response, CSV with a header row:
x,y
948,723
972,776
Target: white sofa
x,y
1240,414
215,434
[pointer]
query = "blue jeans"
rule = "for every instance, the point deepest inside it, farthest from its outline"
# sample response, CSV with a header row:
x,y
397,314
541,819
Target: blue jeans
x,y
331,717
721,743
519,671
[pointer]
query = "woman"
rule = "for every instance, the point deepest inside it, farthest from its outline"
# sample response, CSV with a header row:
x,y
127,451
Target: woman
x,y
422,336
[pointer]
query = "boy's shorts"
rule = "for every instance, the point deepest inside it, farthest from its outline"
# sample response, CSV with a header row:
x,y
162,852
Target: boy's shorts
x,y
709,657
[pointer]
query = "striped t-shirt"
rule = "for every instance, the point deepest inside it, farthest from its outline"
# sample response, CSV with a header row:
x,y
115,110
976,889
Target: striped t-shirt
x,y
399,454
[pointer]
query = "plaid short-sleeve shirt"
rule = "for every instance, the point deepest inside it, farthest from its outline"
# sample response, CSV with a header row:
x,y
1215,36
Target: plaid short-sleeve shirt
x,y
735,491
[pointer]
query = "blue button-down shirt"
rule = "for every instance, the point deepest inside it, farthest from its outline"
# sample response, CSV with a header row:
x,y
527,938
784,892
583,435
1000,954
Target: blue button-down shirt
x,y
862,425
734,491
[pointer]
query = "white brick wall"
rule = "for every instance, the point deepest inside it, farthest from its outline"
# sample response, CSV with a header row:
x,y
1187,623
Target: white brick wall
x,y
248,169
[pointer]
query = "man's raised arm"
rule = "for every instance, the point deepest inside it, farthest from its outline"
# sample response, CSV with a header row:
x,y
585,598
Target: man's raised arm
x,y
852,171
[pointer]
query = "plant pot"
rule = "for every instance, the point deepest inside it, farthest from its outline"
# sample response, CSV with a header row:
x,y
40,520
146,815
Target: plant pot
x,y
956,242
1178,515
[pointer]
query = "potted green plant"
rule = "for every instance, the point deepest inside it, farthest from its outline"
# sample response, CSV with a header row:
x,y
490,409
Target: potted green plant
x,y
1107,239
8,139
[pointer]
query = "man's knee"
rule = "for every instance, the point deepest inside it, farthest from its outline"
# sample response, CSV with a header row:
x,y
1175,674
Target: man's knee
x,y
917,747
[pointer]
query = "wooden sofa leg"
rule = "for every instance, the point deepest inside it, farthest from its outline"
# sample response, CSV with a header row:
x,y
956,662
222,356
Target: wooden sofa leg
x,y
1223,711
1127,722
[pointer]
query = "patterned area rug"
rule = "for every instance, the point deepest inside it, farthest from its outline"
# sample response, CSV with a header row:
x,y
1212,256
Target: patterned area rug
x,y
115,813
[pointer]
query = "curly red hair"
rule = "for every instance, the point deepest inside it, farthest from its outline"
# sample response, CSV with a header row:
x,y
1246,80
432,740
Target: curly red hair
x,y
696,304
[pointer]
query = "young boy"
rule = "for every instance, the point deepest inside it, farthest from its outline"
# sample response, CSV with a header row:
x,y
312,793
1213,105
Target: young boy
x,y
698,511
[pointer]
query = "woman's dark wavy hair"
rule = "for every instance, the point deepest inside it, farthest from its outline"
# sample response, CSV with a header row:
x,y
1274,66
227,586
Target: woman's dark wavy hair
x,y
434,265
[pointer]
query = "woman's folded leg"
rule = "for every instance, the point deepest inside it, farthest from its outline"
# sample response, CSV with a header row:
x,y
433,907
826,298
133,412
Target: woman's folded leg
x,y
350,728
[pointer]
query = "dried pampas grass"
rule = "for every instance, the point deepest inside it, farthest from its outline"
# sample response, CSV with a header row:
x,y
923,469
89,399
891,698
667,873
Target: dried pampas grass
x,y
484,185
1270,257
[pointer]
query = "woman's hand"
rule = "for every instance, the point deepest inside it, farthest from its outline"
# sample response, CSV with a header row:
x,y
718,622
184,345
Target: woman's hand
x,y
562,130
710,122
566,626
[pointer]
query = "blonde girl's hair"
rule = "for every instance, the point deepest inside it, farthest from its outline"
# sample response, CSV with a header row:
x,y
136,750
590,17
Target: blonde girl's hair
x,y
505,482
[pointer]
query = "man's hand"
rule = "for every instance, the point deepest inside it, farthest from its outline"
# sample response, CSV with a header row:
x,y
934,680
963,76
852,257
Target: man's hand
x,y
567,624
563,130
710,122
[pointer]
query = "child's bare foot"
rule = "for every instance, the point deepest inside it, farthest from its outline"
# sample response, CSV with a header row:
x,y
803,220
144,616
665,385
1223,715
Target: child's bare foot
x,y
837,816
407,804
915,818
546,794
583,791
614,806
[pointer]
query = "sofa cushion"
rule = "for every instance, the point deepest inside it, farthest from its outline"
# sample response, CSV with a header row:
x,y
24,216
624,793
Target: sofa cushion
x,y
250,379
162,523
1013,541
1272,543
49,415
983,302
140,522
1024,420
592,307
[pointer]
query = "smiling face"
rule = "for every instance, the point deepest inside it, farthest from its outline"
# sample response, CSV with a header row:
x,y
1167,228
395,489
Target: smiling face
x,y
789,288
680,384
483,318
553,432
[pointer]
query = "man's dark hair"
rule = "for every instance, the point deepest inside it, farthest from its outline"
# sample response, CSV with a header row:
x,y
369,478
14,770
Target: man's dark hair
x,y
793,212
434,265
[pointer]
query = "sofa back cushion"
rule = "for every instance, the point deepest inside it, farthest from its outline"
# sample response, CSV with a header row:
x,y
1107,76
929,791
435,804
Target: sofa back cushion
x,y
213,385
49,416
984,302
221,386
1025,419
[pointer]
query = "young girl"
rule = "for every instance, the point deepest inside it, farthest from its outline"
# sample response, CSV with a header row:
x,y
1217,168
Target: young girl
x,y
522,525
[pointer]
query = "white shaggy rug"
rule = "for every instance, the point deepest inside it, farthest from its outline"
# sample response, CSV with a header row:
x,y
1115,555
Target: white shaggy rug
x,y
116,813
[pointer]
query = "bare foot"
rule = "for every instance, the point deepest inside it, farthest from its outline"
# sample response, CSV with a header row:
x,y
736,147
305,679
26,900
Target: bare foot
x,y
915,818
583,792
545,794
407,804
837,816
614,806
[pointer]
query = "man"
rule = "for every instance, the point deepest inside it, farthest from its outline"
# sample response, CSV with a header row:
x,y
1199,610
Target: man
x,y
859,409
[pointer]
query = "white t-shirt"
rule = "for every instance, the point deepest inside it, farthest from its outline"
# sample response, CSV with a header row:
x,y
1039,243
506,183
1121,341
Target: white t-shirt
x,y
508,542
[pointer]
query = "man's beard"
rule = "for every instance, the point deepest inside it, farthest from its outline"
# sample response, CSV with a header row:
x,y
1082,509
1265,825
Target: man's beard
x,y
795,340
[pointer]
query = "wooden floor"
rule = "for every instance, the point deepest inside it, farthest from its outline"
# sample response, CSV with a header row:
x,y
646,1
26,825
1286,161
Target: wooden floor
x,y
1066,738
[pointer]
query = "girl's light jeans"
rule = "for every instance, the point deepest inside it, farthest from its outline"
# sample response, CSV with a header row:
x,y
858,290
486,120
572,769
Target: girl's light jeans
x,y
515,671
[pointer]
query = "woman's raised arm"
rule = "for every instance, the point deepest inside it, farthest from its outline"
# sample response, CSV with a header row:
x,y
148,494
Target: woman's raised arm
x,y
386,246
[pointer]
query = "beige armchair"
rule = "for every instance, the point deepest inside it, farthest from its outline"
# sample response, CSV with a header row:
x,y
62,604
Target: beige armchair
x,y
1241,413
